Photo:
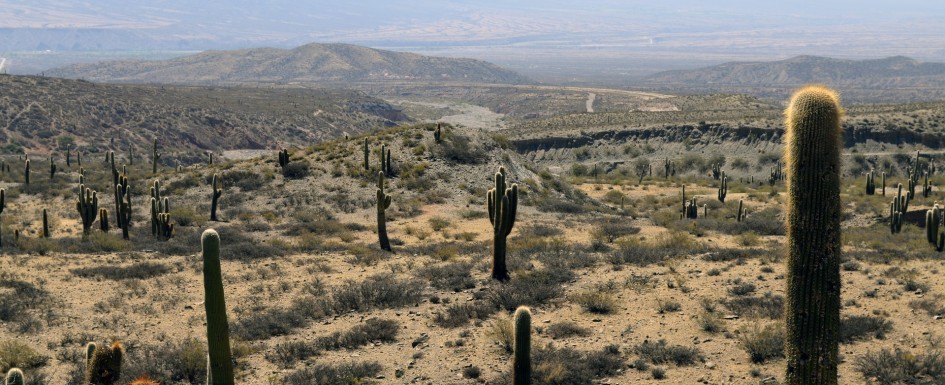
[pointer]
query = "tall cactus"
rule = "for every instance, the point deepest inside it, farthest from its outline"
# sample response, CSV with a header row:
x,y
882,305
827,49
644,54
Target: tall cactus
x,y
383,202
723,188
87,206
123,207
220,367
897,210
522,364
45,224
3,205
103,365
26,174
813,145
155,155
15,377
52,168
740,214
870,183
215,197
438,134
103,219
502,203
283,159
367,157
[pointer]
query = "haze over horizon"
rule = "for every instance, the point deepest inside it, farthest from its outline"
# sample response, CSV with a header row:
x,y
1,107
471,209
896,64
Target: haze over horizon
x,y
549,40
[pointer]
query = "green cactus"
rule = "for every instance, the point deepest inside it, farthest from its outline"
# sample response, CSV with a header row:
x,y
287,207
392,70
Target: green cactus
x,y
739,217
218,329
123,207
3,205
684,210
165,229
502,203
87,206
367,158
103,365
103,219
15,377
521,363
210,156
26,174
870,183
438,134
897,210
78,159
927,186
723,188
283,159
385,160
131,155
717,171
155,155
215,197
383,202
45,225
812,153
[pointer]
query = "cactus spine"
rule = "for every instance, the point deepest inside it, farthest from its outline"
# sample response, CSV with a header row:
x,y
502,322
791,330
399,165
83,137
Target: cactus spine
x,y
502,203
14,377
521,364
103,365
383,202
215,196
155,155
812,154
218,330
87,206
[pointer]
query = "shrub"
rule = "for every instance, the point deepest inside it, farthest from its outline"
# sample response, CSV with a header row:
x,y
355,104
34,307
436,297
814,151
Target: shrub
x,y
742,289
595,302
472,372
566,329
374,329
534,289
609,231
344,373
141,270
459,314
902,367
662,353
183,361
458,148
667,306
858,327
296,170
764,344
768,306
567,366
453,276
16,354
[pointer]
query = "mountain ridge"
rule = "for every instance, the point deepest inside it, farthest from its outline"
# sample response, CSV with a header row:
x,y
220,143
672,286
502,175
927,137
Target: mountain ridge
x,y
314,62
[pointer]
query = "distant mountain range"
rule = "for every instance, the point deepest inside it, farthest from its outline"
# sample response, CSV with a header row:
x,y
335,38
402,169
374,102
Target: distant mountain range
x,y
306,64
887,80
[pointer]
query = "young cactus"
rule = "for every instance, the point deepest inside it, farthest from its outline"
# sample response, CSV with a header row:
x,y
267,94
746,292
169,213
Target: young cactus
x,y
870,183
215,197
87,206
103,365
3,205
438,134
283,158
123,207
522,364
103,219
812,153
220,367
26,174
15,377
52,168
723,188
383,202
739,217
367,157
502,203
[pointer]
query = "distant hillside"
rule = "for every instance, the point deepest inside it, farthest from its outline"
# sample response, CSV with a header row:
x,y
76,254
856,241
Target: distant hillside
x,y
305,64
893,79
42,115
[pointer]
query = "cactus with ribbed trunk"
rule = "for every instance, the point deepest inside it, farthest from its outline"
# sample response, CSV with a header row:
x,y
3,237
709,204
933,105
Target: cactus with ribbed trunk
x,y
103,364
210,156
717,171
521,363
87,206
502,202
812,153
215,197
740,214
68,157
52,168
897,210
438,134
123,207
220,367
383,202
669,168
723,188
103,219
45,225
870,183
386,167
26,174
14,377
155,155
78,159
927,186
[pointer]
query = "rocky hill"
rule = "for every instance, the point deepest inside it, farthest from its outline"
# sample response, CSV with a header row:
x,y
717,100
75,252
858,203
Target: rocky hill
x,y
306,64
892,79
42,115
